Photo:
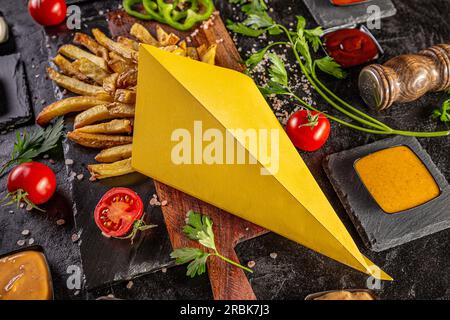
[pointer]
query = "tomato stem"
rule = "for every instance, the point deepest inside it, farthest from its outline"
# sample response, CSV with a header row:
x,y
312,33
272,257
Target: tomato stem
x,y
17,197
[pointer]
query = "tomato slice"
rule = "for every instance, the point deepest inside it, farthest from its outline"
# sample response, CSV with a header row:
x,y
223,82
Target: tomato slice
x,y
117,211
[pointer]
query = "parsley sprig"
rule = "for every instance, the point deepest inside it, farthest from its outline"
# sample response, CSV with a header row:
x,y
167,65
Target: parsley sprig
x,y
33,143
443,113
305,44
199,228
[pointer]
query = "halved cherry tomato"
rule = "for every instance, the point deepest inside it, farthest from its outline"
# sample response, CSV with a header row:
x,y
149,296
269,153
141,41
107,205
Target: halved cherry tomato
x,y
308,130
48,12
117,211
37,180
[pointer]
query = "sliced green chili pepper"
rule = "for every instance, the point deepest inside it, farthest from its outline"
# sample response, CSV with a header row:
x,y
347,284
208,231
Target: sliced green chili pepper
x,y
168,13
192,16
128,6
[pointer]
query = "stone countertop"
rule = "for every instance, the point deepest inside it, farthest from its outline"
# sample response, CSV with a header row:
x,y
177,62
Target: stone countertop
x,y
420,268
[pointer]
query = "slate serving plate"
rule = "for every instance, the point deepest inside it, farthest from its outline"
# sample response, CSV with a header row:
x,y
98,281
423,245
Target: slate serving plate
x,y
14,100
104,260
327,15
379,230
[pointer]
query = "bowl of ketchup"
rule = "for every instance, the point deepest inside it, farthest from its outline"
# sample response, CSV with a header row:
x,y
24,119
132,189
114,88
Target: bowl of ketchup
x,y
351,46
347,2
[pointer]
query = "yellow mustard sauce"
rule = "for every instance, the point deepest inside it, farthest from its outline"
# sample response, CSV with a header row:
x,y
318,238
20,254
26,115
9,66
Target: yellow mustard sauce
x,y
25,276
397,179
345,295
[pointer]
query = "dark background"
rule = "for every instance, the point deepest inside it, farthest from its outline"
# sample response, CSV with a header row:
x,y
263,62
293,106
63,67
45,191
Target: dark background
x,y
420,268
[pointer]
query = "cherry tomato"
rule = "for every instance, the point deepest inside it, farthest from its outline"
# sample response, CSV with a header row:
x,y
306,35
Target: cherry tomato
x,y
308,130
36,179
117,211
48,12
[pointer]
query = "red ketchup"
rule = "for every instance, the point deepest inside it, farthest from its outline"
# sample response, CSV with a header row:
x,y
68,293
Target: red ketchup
x,y
346,2
350,47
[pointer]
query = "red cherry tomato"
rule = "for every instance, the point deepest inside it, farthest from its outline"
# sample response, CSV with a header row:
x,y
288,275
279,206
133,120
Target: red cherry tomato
x,y
36,179
308,130
117,211
48,12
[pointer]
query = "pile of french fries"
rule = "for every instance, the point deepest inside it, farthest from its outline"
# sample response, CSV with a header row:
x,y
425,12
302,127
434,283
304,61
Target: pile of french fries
x,y
104,75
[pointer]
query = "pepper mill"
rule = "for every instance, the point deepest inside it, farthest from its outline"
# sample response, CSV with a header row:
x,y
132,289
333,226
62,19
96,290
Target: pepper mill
x,y
406,78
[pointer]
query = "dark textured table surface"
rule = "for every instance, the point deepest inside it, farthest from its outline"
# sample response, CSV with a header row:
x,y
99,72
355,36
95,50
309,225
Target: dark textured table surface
x,y
421,269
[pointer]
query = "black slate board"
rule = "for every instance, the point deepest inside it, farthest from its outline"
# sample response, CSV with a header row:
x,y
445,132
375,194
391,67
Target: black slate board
x,y
14,100
381,231
106,260
328,15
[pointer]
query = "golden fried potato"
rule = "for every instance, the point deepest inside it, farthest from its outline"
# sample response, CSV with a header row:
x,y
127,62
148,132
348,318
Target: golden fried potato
x,y
162,36
110,83
74,53
192,53
143,35
90,70
104,112
127,79
68,69
75,85
116,126
90,44
119,66
65,106
114,154
103,171
98,141
130,43
117,47
125,96
209,56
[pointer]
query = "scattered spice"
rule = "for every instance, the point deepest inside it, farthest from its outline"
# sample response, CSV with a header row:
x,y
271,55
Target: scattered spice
x,y
60,222
251,264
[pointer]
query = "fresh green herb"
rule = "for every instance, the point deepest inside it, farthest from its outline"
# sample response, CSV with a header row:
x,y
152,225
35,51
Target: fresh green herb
x,y
443,113
301,42
257,22
199,228
328,65
138,226
34,143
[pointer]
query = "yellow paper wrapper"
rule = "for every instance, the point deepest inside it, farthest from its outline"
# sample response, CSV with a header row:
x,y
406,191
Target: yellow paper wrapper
x,y
179,93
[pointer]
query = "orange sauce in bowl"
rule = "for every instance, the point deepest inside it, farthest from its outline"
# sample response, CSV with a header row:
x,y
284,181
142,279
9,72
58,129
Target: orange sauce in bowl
x,y
25,276
397,179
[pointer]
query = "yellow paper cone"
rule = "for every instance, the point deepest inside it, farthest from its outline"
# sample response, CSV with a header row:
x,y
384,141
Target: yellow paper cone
x,y
178,97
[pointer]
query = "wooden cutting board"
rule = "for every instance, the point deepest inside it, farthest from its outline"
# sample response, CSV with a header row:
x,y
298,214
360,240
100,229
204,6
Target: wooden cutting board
x,y
227,281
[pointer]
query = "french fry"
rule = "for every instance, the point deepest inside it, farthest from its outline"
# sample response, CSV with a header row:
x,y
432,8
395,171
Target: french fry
x,y
117,47
114,154
127,79
90,70
75,85
192,53
109,170
110,83
98,141
130,43
90,44
116,126
119,66
210,55
162,36
143,35
65,106
74,53
104,112
125,96
68,69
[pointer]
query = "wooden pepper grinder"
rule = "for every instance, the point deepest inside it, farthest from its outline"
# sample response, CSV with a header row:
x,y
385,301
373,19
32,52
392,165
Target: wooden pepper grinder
x,y
406,78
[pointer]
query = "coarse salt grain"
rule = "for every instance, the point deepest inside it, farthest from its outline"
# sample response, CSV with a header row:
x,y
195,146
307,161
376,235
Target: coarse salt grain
x,y
273,255
20,242
25,232
31,241
69,162
60,222
251,264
